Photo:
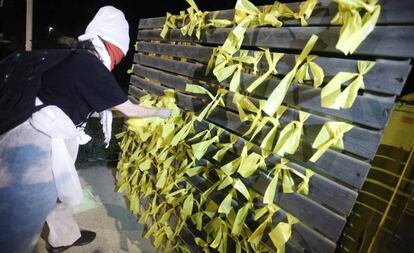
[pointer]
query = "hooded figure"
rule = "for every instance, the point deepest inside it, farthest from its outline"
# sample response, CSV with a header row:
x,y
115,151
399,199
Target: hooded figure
x,y
46,98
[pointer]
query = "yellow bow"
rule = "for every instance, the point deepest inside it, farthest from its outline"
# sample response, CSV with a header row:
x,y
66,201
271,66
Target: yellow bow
x,y
282,232
332,96
354,28
276,97
303,72
272,60
330,135
289,137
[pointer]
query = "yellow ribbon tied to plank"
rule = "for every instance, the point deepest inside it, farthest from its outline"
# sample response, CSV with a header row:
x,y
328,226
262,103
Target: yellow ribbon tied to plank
x,y
305,11
289,137
303,72
168,24
215,100
329,136
231,65
282,232
355,28
272,60
331,95
256,237
197,20
268,141
276,97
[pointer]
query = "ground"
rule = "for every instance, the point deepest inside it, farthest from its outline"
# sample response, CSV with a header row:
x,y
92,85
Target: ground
x,y
116,227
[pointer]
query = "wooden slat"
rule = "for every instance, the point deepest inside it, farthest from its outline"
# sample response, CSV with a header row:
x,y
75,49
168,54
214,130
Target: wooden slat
x,y
348,170
384,41
392,12
321,189
366,110
296,204
358,141
387,76
370,138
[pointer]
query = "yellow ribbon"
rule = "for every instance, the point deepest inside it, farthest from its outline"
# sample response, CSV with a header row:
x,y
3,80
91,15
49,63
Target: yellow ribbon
x,y
282,232
332,96
224,147
276,97
256,237
168,24
354,27
272,60
289,137
197,20
204,245
231,65
305,11
303,72
215,100
330,135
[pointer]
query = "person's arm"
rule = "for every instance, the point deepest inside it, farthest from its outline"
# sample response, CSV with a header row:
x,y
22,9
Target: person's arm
x,y
136,111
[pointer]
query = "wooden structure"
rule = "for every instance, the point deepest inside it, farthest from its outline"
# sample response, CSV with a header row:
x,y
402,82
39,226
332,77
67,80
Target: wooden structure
x,y
177,60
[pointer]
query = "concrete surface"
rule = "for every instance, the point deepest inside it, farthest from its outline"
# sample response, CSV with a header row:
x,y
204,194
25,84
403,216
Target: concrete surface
x,y
116,227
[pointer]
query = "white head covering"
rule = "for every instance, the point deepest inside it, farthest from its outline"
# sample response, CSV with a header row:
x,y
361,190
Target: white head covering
x,y
108,24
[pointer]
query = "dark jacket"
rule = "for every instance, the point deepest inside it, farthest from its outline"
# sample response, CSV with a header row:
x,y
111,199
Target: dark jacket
x,y
20,80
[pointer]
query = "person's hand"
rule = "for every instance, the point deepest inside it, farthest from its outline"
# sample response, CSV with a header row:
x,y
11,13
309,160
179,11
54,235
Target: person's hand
x,y
163,113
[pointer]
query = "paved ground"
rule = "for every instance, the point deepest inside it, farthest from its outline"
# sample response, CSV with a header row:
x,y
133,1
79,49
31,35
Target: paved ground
x,y
116,227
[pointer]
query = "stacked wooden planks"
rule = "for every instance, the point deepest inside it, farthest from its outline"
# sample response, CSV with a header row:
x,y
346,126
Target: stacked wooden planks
x,y
177,60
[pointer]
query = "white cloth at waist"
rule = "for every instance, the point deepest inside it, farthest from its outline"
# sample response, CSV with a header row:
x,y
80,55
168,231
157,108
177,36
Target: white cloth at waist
x,y
65,140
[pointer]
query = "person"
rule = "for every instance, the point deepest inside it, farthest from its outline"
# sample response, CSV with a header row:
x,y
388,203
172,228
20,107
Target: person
x,y
45,99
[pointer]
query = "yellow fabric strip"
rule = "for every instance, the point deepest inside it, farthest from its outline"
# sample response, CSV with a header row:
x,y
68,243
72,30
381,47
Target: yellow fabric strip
x,y
331,95
354,27
289,138
329,136
282,232
276,97
303,72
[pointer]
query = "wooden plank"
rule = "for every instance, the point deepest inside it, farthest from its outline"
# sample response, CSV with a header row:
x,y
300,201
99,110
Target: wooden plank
x,y
358,140
301,233
355,136
383,42
387,76
339,166
392,12
320,188
326,222
366,110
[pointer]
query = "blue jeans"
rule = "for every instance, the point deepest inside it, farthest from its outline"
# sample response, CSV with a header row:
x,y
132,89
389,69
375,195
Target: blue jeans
x,y
27,189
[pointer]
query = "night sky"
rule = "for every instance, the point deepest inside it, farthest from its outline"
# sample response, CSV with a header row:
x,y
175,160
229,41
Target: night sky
x,y
70,18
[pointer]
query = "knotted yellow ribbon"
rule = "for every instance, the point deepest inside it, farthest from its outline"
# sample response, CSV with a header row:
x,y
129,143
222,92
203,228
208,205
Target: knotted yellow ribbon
x,y
199,149
243,104
276,97
267,142
303,72
168,24
215,100
272,60
218,228
330,135
354,28
282,232
289,137
305,11
256,237
331,95
204,245
231,65
197,20
224,147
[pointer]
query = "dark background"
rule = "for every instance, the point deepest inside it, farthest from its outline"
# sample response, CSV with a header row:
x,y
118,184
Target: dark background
x,y
70,18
